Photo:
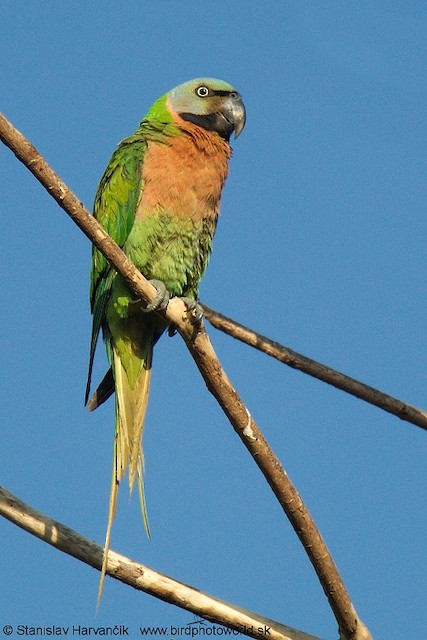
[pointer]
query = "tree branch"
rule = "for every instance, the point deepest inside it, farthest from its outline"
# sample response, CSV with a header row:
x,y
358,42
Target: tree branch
x,y
199,345
317,370
139,576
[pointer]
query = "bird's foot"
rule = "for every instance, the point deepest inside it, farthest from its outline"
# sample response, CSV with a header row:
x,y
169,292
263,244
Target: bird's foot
x,y
161,300
194,314
194,310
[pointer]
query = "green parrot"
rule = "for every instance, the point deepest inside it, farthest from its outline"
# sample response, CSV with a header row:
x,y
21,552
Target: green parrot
x,y
159,200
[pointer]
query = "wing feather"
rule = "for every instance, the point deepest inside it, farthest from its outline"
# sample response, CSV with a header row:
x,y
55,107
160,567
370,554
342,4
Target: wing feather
x,y
115,206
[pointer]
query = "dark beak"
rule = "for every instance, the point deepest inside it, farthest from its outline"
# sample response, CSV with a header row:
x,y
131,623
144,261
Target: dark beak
x,y
234,111
230,116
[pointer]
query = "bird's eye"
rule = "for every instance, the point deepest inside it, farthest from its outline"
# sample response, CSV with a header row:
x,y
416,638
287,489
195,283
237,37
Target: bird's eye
x,y
234,95
202,91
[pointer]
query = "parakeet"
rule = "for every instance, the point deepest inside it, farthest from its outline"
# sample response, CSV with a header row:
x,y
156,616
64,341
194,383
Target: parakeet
x,y
159,200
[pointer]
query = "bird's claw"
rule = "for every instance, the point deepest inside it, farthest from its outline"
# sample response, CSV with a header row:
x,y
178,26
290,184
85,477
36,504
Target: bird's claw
x,y
194,310
161,300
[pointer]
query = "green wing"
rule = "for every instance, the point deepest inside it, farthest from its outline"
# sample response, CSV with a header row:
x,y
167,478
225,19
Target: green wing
x,y
115,206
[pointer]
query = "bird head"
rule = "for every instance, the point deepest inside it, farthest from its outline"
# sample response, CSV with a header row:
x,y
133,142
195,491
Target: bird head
x,y
209,103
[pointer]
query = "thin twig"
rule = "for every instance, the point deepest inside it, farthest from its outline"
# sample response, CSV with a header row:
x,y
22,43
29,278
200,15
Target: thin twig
x,y
350,625
139,576
298,361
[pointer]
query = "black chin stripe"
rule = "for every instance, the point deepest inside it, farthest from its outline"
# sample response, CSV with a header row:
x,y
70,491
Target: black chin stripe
x,y
211,122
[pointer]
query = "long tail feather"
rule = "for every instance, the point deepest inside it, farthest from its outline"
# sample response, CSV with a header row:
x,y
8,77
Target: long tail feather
x,y
131,405
103,392
111,513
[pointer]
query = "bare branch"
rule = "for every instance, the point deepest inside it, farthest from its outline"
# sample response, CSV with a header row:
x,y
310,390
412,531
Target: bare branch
x,y
350,626
320,371
139,576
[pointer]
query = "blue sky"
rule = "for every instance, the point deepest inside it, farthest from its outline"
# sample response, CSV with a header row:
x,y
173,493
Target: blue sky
x,y
320,245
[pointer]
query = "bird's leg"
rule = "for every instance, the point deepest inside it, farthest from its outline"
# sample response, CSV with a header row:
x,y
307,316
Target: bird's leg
x,y
194,314
161,300
194,310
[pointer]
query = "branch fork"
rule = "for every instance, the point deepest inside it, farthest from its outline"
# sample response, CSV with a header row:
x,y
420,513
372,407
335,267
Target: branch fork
x,y
195,336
